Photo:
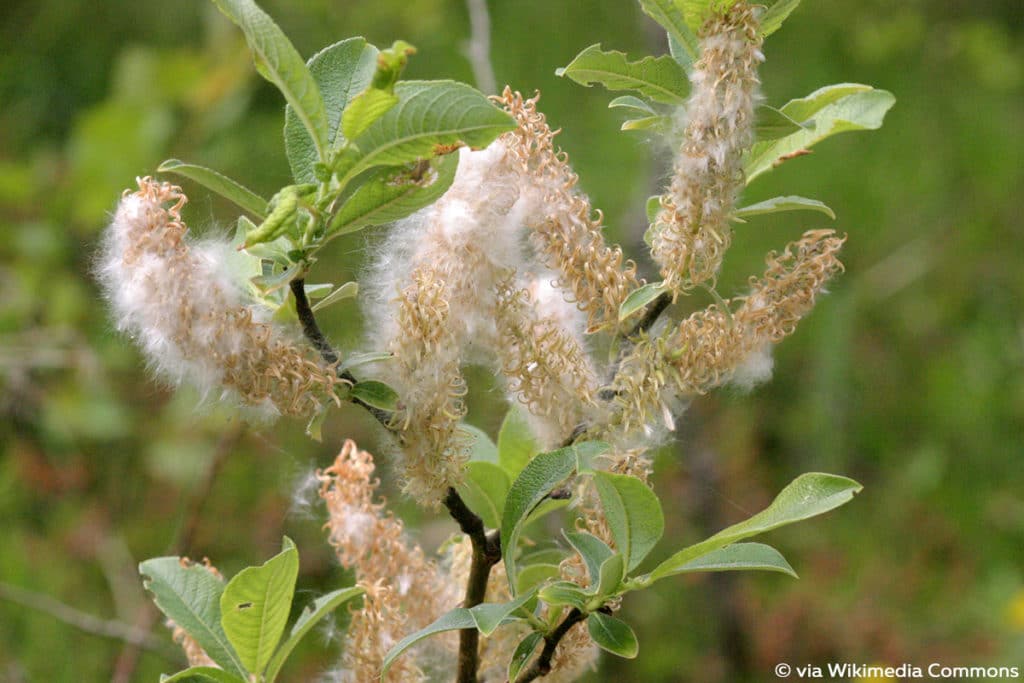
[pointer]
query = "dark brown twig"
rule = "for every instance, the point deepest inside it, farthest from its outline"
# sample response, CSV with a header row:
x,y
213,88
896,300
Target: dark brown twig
x,y
542,665
316,337
486,554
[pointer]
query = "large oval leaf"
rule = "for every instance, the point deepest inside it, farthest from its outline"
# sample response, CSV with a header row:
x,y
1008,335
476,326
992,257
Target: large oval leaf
x,y
485,488
341,71
613,635
393,193
190,596
659,78
735,557
431,117
219,183
532,486
633,512
807,496
279,62
255,606
833,109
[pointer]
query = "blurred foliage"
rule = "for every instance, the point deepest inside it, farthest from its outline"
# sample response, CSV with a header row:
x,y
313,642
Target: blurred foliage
x,y
908,377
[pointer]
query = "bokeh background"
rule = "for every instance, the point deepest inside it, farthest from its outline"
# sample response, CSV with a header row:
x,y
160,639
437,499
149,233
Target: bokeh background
x,y
909,376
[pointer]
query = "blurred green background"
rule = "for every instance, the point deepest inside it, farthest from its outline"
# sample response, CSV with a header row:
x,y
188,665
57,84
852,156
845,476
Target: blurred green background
x,y
909,376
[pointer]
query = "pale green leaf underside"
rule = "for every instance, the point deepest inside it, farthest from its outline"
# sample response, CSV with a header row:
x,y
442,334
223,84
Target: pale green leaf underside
x,y
789,203
219,183
807,496
592,549
310,617
523,652
255,606
659,78
346,291
279,62
485,618
735,557
610,575
430,118
190,596
638,299
341,71
833,109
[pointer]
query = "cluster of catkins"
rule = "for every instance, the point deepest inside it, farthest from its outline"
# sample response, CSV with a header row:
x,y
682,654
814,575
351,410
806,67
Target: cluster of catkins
x,y
508,269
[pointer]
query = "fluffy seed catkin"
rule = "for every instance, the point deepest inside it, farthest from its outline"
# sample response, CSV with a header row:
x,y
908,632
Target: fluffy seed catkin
x,y
691,231
177,299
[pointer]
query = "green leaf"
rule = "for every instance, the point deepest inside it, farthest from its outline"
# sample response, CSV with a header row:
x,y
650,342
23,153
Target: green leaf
x,y
375,394
807,496
630,102
613,635
189,595
393,193
488,616
790,203
533,484
659,123
772,124
638,299
772,19
202,674
735,557
659,78
563,593
310,617
652,208
833,109
633,512
484,490
592,549
431,118
346,291
481,448
485,617
340,70
516,442
533,575
219,183
364,109
523,652
354,360
278,61
455,620
686,48
610,576
255,604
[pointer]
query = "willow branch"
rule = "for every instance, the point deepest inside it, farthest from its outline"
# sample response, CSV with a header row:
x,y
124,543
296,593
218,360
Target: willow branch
x,y
542,665
486,554
318,339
